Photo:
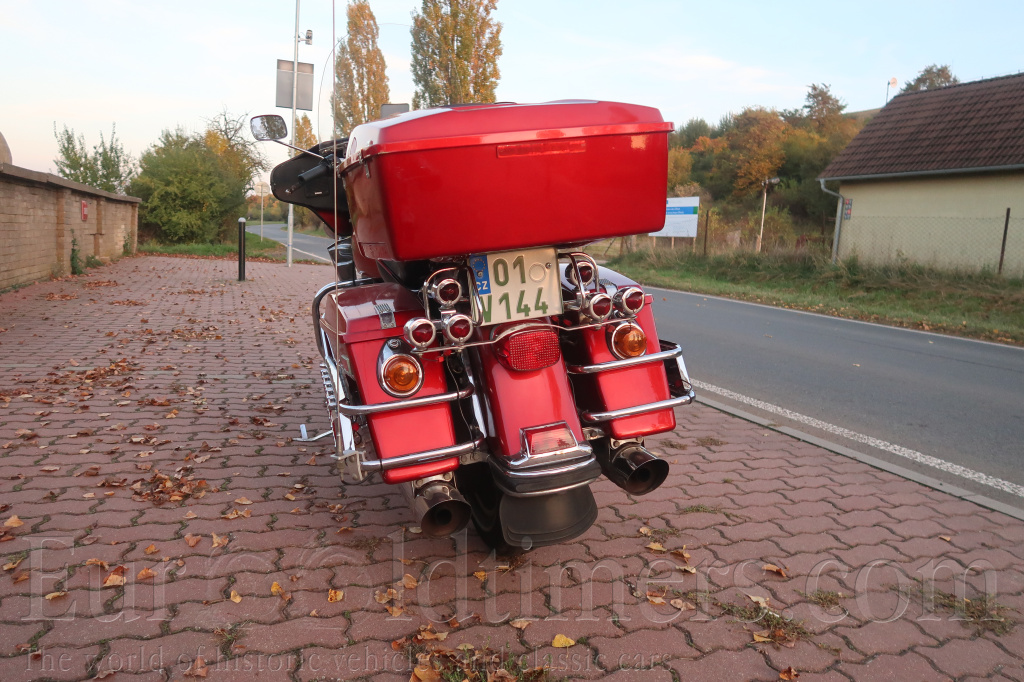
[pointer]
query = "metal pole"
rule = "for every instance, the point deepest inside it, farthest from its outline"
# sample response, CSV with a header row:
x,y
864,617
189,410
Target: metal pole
x,y
1002,251
764,205
261,211
707,224
295,90
241,249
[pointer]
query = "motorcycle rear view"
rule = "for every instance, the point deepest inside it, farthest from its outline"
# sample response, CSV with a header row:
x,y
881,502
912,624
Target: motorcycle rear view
x,y
473,353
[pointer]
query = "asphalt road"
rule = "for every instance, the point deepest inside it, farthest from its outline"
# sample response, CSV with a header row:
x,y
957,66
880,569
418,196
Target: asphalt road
x,y
958,400
304,246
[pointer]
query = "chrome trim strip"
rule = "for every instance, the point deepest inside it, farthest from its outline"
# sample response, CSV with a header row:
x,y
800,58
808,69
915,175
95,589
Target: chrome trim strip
x,y
425,457
547,471
594,417
551,491
673,351
359,410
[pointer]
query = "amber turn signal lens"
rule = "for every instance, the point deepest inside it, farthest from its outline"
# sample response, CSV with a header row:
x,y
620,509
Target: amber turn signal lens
x,y
401,375
628,341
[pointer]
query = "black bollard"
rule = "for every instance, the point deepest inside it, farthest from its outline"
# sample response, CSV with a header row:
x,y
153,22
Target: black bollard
x,y
241,249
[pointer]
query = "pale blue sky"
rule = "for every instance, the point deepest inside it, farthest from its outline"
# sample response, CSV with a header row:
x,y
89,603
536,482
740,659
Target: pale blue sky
x,y
153,65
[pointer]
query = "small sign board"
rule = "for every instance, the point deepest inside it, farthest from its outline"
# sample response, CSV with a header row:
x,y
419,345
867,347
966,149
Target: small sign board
x,y
847,208
680,217
304,94
85,211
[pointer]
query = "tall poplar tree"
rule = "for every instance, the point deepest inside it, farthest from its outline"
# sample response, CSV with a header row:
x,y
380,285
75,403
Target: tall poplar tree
x,y
455,49
360,81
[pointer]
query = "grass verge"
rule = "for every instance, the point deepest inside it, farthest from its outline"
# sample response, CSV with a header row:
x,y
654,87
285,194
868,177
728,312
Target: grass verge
x,y
267,250
976,305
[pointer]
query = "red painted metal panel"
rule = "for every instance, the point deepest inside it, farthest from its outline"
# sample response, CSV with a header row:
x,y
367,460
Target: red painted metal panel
x,y
520,400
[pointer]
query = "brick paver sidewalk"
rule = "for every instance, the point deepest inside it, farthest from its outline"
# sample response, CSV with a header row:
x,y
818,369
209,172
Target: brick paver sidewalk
x,y
118,400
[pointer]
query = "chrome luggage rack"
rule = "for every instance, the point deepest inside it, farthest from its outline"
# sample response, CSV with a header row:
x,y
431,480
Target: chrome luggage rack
x,y
680,388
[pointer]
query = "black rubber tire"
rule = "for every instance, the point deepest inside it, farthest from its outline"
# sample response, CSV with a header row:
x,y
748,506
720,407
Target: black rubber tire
x,y
484,497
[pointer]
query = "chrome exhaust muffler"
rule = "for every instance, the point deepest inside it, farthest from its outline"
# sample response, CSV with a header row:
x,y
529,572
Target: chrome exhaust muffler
x,y
634,469
438,505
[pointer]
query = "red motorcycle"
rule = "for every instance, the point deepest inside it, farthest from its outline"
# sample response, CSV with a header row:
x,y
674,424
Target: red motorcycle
x,y
473,353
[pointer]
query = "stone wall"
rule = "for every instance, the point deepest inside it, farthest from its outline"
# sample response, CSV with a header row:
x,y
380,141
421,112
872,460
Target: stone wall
x,y
40,215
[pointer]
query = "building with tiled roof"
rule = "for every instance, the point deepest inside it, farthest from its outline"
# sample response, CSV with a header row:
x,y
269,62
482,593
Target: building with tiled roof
x,y
931,176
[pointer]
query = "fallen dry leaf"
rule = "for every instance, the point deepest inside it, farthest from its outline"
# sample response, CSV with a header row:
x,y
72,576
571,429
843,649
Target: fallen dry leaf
x,y
683,605
146,574
20,576
789,674
11,565
424,673
219,540
946,538
151,549
760,601
193,540
54,595
395,611
682,554
13,522
235,597
519,623
655,547
409,582
98,562
562,642
335,595
116,577
655,598
480,575
764,636
687,569
197,669
49,469
276,589
415,530
243,500
385,597
645,531
191,515
774,569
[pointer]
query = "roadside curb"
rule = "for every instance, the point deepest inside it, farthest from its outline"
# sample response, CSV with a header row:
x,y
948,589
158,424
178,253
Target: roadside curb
x,y
955,491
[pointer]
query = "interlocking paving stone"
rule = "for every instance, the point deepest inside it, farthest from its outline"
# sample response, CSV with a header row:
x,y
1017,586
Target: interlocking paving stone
x,y
238,365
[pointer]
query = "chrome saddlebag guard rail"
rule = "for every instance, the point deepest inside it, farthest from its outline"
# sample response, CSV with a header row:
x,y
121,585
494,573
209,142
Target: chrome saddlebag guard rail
x,y
678,382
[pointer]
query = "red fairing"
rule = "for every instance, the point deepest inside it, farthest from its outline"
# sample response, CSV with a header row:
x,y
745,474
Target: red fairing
x,y
520,400
355,332
477,179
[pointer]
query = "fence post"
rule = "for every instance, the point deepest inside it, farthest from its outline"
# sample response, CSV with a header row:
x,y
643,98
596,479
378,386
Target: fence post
x,y
1002,250
241,249
707,223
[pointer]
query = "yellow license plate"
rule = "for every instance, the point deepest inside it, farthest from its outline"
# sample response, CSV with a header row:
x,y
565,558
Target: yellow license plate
x,y
517,285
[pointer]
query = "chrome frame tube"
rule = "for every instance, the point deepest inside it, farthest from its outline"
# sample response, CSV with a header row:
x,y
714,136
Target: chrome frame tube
x,y
360,410
672,352
425,457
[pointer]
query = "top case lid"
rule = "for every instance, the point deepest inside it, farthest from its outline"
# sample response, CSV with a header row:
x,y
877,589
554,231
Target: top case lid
x,y
478,124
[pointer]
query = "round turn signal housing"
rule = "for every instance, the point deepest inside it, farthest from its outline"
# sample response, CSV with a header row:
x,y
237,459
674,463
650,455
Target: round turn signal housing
x,y
447,292
401,375
599,307
629,301
628,340
586,272
458,328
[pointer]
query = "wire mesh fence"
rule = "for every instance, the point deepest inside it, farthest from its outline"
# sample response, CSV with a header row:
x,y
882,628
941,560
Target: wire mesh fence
x,y
950,243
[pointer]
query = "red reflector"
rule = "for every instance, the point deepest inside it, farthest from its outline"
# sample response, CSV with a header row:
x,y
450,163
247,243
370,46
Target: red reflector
x,y
461,329
423,332
549,439
528,350
541,148
634,300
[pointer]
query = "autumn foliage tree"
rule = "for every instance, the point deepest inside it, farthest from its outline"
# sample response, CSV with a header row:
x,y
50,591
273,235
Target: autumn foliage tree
x,y
360,81
108,166
930,78
455,49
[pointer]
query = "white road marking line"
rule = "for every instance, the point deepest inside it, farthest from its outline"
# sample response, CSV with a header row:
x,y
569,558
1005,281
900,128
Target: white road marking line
x,y
312,255
912,455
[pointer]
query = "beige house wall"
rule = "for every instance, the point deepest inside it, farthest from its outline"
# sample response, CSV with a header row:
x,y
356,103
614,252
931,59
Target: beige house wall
x,y
943,221
40,214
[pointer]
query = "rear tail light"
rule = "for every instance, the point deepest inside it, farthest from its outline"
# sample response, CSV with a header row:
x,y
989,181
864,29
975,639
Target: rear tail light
x,y
458,328
420,332
629,301
401,375
447,292
599,307
586,272
544,439
527,351
628,340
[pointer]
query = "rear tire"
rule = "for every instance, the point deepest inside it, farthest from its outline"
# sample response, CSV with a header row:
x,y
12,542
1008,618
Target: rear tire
x,y
477,485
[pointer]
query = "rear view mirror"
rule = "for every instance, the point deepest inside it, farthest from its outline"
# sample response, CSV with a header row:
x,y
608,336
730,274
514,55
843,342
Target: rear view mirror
x,y
269,127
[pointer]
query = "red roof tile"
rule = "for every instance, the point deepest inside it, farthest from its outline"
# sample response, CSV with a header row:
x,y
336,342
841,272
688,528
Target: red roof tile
x,y
965,127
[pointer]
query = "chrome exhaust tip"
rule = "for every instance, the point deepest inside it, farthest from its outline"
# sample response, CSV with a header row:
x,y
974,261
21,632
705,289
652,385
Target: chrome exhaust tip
x,y
440,508
634,469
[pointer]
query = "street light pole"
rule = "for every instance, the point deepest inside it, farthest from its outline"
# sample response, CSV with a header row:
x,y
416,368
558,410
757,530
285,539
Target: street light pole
x,y
295,91
764,205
